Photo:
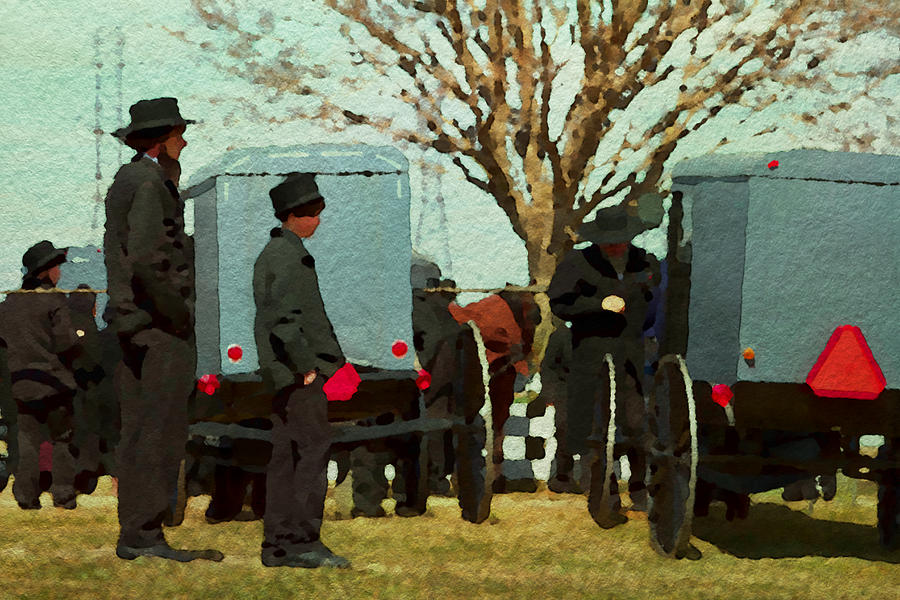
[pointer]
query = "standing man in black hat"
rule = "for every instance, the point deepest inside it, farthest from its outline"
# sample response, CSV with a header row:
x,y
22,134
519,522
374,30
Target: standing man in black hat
x,y
42,342
7,415
93,398
150,272
604,289
298,351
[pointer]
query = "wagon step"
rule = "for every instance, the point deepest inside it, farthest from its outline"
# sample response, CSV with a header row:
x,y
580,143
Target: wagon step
x,y
858,466
341,432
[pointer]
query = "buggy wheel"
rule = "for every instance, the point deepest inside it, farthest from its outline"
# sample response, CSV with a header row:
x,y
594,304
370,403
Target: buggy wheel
x,y
474,449
673,460
603,496
471,472
889,501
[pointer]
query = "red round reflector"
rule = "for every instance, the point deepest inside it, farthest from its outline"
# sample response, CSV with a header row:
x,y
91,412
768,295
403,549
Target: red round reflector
x,y
235,353
399,349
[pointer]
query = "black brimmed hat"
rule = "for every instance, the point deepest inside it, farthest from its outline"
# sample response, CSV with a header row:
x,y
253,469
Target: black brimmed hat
x,y
423,273
42,256
297,190
621,223
152,114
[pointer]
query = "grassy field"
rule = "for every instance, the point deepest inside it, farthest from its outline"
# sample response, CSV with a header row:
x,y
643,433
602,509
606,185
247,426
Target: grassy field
x,y
538,546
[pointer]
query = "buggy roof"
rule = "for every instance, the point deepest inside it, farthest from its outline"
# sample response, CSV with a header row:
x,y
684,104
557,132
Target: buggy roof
x,y
820,165
328,159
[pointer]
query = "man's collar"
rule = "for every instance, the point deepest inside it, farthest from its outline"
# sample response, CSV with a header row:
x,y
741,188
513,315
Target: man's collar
x,y
286,233
153,158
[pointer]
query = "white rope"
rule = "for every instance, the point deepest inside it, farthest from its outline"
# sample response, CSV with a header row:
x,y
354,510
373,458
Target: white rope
x,y
611,426
509,288
695,452
485,373
486,414
729,414
53,291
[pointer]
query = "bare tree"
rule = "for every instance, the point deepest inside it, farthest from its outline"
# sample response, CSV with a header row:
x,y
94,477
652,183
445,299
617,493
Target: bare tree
x,y
554,108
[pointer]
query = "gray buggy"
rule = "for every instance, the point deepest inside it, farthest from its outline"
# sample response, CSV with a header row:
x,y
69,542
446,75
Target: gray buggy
x,y
363,255
782,333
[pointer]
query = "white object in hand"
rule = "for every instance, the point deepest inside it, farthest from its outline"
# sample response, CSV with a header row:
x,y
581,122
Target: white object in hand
x,y
613,303
79,332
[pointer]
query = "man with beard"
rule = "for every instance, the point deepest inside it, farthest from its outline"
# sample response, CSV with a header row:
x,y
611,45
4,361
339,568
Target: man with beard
x,y
604,290
149,263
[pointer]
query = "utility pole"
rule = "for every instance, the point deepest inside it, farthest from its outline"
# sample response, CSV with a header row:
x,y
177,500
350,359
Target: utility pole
x,y
98,112
98,129
120,66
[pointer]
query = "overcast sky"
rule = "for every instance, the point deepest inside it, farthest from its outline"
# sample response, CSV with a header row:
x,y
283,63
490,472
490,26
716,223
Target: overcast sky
x,y
47,148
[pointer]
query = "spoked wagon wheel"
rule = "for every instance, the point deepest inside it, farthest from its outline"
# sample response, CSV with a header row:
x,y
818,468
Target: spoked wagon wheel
x,y
475,442
603,498
4,473
673,460
889,498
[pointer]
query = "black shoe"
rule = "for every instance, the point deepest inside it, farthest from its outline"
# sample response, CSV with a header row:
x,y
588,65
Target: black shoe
x,y
86,482
828,483
690,553
440,487
247,515
639,500
216,520
528,486
33,505
609,520
800,490
564,486
370,514
67,503
401,510
319,556
165,551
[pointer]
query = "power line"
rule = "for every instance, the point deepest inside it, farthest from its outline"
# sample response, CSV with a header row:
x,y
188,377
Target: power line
x,y
54,291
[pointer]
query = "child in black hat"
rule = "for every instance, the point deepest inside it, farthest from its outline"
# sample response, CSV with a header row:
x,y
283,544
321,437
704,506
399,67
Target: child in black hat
x,y
298,351
41,342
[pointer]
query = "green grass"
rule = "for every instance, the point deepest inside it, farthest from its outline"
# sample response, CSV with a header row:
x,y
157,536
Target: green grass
x,y
539,546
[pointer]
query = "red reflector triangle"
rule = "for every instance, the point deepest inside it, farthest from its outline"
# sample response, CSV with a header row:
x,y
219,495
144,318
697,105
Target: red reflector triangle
x,y
846,368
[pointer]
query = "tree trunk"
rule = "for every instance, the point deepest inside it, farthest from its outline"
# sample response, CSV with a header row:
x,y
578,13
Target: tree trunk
x,y
542,266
